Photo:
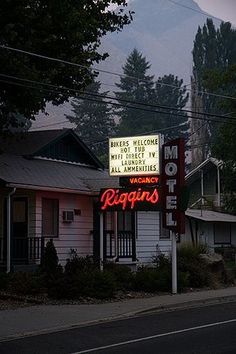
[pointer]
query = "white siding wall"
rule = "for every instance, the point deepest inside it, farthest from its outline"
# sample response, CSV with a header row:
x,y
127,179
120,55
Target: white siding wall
x,y
148,243
75,235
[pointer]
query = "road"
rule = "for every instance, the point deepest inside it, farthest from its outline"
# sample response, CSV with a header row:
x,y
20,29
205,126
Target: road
x,y
208,329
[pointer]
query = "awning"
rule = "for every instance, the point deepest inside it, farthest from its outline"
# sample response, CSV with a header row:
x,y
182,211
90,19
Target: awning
x,y
210,215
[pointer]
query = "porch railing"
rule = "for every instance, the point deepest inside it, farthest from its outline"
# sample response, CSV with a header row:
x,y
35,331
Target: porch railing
x,y
125,244
24,250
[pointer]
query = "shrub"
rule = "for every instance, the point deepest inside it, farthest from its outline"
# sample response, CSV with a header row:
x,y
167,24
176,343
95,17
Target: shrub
x,y
4,279
161,262
104,285
122,274
189,251
77,264
95,284
24,283
190,262
49,266
152,279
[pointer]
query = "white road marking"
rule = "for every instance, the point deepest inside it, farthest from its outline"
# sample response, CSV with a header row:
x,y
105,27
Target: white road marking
x,y
154,336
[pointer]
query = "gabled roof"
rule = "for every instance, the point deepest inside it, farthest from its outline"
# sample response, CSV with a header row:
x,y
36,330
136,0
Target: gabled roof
x,y
35,143
36,174
205,165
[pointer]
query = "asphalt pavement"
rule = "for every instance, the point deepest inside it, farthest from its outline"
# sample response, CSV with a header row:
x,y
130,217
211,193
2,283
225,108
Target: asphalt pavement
x,y
41,319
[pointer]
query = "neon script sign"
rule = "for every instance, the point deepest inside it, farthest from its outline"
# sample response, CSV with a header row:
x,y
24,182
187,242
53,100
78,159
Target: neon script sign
x,y
126,199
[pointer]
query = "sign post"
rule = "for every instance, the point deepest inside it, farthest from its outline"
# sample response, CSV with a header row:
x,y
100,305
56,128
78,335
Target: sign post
x,y
174,262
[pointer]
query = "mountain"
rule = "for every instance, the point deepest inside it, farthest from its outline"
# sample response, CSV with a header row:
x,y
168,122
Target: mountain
x,y
162,30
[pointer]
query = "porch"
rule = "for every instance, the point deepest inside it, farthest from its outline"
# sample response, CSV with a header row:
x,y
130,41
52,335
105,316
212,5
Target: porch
x,y
28,251
25,251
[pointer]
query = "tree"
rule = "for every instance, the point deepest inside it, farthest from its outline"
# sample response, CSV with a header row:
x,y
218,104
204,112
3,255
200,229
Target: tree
x,y
224,147
93,119
170,92
137,85
214,49
67,30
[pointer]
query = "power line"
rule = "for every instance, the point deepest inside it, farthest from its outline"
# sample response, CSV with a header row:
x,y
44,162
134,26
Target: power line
x,y
116,104
108,72
121,99
195,10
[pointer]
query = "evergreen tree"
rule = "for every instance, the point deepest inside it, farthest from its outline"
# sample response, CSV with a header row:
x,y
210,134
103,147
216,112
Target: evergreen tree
x,y
135,85
93,119
213,49
62,29
224,147
170,92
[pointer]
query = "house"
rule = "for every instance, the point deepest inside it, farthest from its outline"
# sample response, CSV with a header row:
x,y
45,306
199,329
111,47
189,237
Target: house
x,y
49,187
206,220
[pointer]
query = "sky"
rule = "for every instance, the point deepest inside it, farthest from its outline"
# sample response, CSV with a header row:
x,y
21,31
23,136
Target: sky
x,y
224,9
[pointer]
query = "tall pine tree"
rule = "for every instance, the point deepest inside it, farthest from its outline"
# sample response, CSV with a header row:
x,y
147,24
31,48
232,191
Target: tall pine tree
x,y
170,92
135,85
93,119
213,49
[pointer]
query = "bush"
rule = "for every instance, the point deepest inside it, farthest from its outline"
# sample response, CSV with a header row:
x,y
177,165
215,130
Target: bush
x,y
49,266
23,283
190,263
189,251
122,274
152,279
76,264
104,285
161,262
100,285
4,279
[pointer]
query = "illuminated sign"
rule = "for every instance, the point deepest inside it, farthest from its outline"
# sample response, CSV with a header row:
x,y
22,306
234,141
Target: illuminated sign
x,y
172,182
139,181
129,199
134,156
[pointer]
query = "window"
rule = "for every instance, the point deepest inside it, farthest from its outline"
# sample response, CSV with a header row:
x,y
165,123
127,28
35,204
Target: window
x,y
222,233
125,221
50,209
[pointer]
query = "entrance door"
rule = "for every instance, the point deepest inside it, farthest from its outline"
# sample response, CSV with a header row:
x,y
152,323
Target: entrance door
x,y
20,230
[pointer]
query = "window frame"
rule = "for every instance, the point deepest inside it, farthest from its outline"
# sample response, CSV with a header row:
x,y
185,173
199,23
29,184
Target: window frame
x,y
230,234
55,218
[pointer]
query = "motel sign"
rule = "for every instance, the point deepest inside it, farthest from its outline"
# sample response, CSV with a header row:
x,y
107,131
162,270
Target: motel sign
x,y
172,182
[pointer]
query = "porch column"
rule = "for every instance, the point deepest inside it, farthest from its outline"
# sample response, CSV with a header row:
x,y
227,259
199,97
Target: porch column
x,y
218,186
116,235
101,241
9,230
202,188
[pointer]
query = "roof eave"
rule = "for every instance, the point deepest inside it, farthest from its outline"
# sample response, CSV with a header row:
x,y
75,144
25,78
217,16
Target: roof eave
x,y
52,189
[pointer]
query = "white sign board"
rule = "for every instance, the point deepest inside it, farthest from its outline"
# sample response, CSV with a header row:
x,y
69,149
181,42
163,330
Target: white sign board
x,y
137,155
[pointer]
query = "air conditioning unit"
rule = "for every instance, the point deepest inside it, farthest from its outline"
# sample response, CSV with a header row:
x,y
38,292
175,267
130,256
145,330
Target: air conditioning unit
x,y
68,216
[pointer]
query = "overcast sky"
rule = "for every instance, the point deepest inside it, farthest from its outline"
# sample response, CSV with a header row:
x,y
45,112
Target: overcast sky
x,y
224,9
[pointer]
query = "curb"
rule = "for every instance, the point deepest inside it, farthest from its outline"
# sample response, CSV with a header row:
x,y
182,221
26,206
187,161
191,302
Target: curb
x,y
189,304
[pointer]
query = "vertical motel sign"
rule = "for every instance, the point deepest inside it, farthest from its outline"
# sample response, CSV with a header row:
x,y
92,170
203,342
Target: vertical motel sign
x,y
172,182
